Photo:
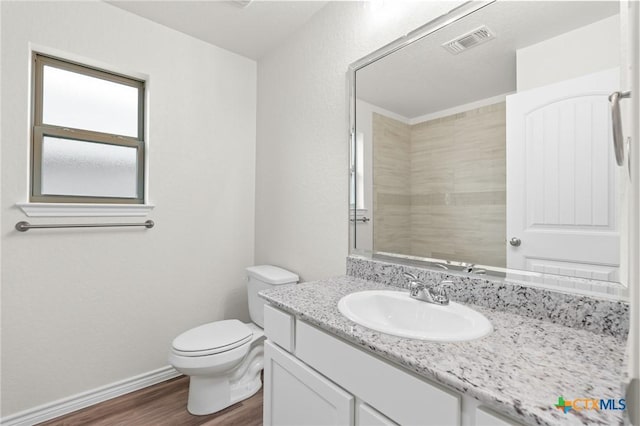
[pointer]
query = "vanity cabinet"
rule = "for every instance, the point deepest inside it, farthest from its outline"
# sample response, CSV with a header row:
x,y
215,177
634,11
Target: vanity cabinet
x,y
296,395
319,379
399,395
484,417
369,416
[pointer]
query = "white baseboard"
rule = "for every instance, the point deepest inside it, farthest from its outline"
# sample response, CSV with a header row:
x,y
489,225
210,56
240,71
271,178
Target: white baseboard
x,y
82,400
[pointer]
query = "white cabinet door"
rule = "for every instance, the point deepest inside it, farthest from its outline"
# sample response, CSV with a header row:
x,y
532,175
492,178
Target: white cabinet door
x,y
298,396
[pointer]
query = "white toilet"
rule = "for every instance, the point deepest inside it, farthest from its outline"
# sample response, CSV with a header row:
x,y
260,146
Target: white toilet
x,y
225,358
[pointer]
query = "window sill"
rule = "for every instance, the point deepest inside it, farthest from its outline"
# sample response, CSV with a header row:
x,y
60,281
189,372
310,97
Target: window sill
x,y
84,210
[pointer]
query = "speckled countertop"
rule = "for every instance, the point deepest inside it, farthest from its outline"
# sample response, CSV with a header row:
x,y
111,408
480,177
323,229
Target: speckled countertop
x,y
520,369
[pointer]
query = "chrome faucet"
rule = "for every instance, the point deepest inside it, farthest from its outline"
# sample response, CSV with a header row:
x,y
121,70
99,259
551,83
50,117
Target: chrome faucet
x,y
470,268
428,293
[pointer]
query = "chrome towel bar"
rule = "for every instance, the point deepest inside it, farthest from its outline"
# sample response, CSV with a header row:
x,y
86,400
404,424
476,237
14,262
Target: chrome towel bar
x,y
25,226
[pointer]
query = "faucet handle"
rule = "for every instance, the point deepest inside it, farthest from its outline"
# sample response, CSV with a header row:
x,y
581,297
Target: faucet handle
x,y
415,285
442,284
440,287
411,276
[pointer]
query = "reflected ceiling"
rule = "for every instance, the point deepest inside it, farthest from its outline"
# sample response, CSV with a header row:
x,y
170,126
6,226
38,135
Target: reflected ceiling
x,y
399,83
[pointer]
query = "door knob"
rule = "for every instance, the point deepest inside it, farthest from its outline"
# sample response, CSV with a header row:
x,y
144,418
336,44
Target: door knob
x,y
515,242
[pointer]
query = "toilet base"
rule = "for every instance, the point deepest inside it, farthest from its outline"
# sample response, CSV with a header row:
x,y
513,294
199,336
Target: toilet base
x,y
243,391
208,395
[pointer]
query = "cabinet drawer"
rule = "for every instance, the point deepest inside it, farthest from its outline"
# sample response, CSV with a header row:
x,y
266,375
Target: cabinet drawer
x,y
485,417
279,327
369,416
396,393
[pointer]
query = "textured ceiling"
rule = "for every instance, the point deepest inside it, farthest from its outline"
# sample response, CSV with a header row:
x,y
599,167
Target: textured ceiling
x,y
250,31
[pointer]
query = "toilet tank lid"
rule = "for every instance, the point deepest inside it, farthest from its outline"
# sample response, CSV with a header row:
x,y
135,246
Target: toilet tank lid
x,y
272,274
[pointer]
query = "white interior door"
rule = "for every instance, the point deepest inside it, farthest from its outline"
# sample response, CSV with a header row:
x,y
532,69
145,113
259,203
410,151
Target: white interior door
x,y
561,179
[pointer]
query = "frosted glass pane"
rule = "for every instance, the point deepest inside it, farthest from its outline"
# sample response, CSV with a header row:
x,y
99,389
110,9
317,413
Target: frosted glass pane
x,y
83,102
81,168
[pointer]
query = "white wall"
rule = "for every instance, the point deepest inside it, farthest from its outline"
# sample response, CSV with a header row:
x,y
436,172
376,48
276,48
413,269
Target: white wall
x,y
588,49
302,148
84,308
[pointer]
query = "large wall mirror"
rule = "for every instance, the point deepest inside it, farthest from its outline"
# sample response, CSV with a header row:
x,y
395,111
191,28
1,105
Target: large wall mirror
x,y
482,142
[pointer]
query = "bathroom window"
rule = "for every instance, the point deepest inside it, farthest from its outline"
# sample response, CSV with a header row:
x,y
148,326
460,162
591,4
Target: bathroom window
x,y
88,135
356,169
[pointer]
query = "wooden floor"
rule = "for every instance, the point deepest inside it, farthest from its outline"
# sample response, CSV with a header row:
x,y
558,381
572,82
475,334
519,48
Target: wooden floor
x,y
162,404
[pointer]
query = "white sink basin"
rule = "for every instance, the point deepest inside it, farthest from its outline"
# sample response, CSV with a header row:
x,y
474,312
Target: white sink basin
x,y
396,313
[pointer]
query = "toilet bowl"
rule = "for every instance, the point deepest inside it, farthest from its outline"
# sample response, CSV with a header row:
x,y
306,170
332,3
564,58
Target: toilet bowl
x,y
224,359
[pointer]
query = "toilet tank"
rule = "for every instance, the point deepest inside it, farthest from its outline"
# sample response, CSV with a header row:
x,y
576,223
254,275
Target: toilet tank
x,y
260,278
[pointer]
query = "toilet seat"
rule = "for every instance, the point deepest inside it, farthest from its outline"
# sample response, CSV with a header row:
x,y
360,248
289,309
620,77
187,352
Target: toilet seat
x,y
212,338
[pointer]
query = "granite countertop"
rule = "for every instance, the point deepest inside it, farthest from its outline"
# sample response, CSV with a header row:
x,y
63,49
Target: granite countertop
x,y
520,369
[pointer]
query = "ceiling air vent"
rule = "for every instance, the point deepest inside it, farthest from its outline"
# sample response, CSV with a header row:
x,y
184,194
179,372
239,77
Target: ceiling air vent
x,y
469,40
